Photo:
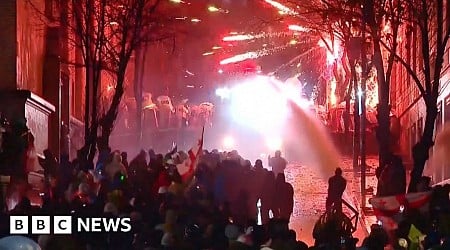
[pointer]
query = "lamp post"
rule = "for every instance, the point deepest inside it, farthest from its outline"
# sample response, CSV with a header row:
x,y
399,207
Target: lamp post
x,y
358,55
362,136
354,56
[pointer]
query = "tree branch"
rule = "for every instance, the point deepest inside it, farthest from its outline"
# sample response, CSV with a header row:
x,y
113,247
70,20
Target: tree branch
x,y
408,68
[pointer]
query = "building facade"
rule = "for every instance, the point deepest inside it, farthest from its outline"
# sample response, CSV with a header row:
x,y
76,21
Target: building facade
x,y
406,99
36,85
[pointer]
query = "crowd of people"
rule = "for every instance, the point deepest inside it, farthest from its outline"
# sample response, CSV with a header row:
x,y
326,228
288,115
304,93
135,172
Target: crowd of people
x,y
226,203
213,208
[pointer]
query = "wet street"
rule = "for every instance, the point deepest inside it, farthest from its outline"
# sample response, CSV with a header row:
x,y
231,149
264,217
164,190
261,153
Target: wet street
x,y
310,192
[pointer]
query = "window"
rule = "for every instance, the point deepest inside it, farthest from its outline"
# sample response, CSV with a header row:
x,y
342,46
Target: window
x,y
447,109
413,135
414,48
419,128
439,118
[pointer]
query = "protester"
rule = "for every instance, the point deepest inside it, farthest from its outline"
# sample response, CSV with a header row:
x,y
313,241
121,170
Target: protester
x,y
214,208
392,179
284,198
277,163
336,188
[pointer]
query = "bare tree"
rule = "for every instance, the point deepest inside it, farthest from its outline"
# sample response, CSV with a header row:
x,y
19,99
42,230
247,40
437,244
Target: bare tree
x,y
346,20
427,16
107,33
383,20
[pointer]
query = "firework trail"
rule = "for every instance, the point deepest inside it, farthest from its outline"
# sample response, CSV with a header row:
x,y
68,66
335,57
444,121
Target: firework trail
x,y
282,7
254,54
245,37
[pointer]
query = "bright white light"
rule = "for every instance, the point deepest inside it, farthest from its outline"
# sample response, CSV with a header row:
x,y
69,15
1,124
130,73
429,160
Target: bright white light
x,y
298,28
281,7
213,9
228,143
223,93
259,105
238,38
360,93
220,71
274,143
239,58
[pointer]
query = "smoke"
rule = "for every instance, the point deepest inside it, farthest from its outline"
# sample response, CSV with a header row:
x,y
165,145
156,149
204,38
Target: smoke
x,y
311,143
441,152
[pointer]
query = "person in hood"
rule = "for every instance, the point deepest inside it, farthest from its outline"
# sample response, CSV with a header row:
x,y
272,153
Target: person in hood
x,y
115,166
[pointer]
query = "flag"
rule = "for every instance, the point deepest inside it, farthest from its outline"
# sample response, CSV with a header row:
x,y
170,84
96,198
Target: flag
x,y
187,167
414,236
388,209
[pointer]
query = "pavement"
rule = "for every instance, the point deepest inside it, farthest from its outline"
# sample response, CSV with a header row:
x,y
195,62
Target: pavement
x,y
310,191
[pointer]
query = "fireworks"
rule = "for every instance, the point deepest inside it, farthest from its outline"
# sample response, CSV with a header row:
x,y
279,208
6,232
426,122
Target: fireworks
x,y
255,54
244,37
240,58
333,50
282,8
298,28
213,9
238,38
333,98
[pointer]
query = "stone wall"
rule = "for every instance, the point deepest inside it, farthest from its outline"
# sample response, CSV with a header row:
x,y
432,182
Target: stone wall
x,y
37,112
20,105
76,137
30,45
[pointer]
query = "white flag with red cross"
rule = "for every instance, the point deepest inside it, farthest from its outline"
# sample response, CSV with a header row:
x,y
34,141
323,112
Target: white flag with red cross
x,y
187,167
388,209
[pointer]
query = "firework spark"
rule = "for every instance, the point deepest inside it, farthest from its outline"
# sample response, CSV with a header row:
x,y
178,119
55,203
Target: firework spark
x,y
298,28
240,58
254,54
334,46
284,9
238,38
245,37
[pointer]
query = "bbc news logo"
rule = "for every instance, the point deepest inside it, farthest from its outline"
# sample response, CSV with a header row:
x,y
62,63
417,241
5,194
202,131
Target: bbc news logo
x,y
65,224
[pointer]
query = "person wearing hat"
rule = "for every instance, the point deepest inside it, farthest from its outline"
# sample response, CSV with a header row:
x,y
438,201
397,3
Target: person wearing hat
x,y
336,188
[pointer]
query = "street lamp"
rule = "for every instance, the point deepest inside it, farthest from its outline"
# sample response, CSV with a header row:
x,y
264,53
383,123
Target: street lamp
x,y
358,54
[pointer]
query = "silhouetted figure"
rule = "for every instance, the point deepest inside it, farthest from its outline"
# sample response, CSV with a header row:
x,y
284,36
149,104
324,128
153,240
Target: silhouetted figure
x,y
114,167
258,165
267,195
50,166
424,184
124,156
283,198
336,187
377,239
392,179
277,163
